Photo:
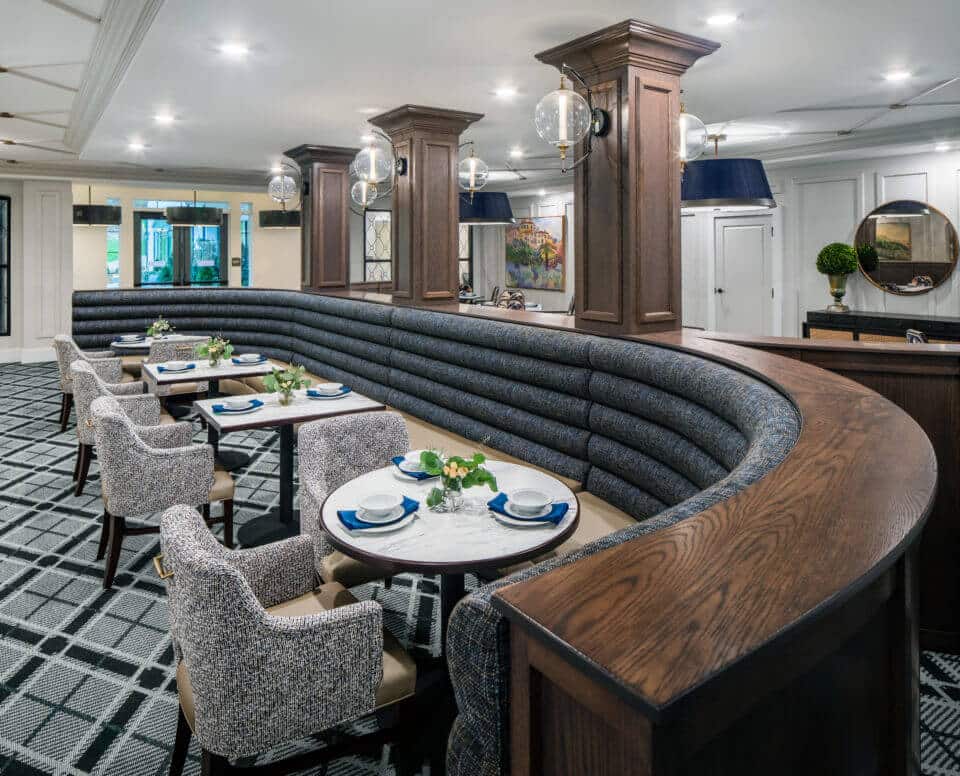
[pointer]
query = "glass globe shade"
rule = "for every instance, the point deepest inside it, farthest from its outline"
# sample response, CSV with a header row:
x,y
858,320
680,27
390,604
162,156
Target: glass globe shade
x,y
282,188
693,137
473,173
364,193
562,118
373,164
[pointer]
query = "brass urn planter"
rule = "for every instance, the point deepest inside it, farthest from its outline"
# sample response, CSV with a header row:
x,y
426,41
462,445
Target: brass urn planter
x,y
838,288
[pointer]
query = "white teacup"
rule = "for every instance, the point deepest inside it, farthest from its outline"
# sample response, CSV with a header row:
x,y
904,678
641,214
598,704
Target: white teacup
x,y
380,505
529,501
327,389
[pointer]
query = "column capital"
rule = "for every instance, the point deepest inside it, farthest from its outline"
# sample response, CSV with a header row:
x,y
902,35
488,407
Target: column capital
x,y
307,154
420,118
630,42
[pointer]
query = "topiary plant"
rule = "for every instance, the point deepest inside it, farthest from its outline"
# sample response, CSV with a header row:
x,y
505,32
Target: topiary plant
x,y
837,259
868,257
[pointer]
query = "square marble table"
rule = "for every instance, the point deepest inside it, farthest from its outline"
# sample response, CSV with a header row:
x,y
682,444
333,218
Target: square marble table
x,y
281,523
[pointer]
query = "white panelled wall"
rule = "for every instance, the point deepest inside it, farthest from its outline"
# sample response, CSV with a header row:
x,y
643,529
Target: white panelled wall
x,y
818,203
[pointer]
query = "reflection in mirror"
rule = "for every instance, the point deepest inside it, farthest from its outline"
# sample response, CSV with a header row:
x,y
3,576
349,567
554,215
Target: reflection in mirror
x,y
906,247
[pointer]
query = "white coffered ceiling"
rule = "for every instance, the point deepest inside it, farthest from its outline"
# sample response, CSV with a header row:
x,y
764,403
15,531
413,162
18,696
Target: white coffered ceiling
x,y
313,67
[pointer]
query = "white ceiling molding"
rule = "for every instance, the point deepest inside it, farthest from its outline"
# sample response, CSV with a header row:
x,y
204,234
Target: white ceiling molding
x,y
122,28
188,177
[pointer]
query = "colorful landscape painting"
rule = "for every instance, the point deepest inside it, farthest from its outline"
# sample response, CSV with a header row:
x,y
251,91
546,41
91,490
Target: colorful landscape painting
x,y
536,253
894,241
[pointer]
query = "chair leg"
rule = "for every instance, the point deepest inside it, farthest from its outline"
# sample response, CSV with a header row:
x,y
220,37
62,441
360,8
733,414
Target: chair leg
x,y
117,525
104,535
83,467
387,583
66,403
213,764
76,463
180,745
228,522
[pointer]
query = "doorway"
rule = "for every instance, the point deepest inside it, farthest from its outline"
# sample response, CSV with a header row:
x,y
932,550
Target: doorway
x,y
743,274
166,255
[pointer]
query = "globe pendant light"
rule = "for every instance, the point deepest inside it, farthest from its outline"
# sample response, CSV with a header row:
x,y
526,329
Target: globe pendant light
x,y
472,172
564,118
374,170
725,184
693,136
364,193
283,187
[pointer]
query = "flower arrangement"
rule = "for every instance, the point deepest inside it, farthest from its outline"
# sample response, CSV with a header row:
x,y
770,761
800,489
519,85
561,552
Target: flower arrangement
x,y
285,381
214,349
160,327
456,474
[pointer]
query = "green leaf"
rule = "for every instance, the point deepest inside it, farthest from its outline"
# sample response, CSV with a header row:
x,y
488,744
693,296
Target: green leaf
x,y
435,497
431,462
479,458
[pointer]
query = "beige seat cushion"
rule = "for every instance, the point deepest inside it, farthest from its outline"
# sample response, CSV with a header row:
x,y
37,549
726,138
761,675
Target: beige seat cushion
x,y
222,488
180,389
597,519
349,572
165,419
235,387
131,365
126,377
425,435
399,670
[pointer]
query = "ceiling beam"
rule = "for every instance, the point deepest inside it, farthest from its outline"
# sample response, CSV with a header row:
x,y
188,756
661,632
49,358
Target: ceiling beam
x,y
122,29
74,11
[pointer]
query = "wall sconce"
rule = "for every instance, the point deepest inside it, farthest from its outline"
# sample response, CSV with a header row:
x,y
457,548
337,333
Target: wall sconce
x,y
374,170
472,172
564,118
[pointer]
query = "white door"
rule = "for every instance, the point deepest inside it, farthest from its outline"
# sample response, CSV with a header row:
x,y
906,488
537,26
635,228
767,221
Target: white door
x,y
743,274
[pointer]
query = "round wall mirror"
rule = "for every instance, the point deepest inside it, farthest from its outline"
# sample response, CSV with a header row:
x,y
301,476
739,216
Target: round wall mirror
x,y
906,247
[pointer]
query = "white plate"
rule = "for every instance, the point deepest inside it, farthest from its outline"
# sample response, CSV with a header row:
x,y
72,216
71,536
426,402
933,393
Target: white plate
x,y
516,514
398,473
236,405
249,358
239,412
513,523
383,528
415,455
327,389
328,398
380,510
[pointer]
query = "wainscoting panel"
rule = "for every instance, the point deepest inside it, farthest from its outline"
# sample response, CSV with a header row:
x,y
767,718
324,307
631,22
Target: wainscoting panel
x,y
907,185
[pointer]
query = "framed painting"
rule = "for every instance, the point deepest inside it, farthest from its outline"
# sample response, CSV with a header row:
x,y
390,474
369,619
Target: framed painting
x,y
894,241
536,253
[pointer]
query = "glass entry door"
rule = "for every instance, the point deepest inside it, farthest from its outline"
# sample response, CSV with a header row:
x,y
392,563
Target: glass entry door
x,y
178,255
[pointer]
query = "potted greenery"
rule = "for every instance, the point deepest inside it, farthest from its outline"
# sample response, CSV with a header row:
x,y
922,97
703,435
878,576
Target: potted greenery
x,y
868,257
160,328
836,261
284,382
214,349
456,474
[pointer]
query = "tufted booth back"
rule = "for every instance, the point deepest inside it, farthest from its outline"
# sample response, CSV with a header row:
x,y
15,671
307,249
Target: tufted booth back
x,y
643,427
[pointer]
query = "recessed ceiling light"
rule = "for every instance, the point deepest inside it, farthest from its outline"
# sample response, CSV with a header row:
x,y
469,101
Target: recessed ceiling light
x,y
721,19
542,193
941,147
163,118
505,92
516,153
135,145
234,49
896,76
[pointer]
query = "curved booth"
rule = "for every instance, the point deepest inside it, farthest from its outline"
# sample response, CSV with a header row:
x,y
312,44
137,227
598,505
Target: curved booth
x,y
652,433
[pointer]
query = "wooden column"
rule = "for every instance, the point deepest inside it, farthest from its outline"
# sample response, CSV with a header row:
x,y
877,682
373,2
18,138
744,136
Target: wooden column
x,y
627,193
325,231
425,205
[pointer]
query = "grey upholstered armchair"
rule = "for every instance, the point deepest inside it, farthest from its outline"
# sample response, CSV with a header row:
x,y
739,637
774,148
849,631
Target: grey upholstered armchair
x,y
104,362
143,409
332,452
264,656
146,469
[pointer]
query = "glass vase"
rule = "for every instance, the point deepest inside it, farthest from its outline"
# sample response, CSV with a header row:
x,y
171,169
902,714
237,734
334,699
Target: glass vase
x,y
452,495
284,398
214,361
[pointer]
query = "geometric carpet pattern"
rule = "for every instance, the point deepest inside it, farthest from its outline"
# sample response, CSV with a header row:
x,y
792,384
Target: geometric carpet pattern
x,y
86,675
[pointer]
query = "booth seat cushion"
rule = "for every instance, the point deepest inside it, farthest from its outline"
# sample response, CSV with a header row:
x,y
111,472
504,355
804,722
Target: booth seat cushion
x,y
131,365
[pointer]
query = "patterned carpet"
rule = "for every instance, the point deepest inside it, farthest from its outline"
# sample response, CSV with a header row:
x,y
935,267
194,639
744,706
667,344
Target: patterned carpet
x,y
86,679
86,675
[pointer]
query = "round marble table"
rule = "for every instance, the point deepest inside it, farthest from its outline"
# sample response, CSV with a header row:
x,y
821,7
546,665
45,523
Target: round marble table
x,y
449,544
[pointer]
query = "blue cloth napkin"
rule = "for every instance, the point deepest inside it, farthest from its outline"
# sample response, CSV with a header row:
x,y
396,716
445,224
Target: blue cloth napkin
x,y
218,408
555,515
349,516
240,362
166,369
415,475
314,394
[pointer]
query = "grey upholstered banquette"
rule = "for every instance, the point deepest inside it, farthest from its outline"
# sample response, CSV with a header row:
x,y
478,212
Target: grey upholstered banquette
x,y
658,433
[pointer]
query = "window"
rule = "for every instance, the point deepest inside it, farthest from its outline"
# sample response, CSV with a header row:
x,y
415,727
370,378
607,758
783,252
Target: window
x,y
113,251
377,267
167,255
245,268
4,266
465,265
